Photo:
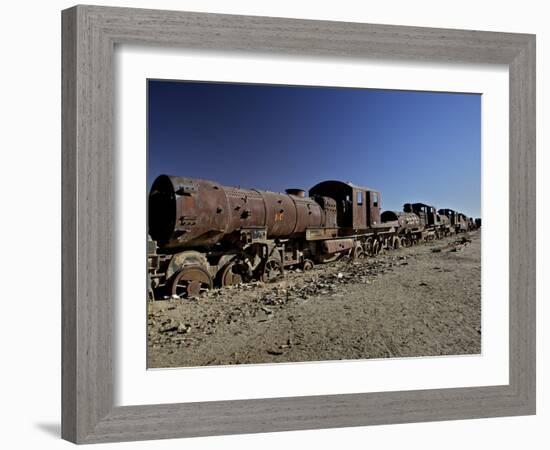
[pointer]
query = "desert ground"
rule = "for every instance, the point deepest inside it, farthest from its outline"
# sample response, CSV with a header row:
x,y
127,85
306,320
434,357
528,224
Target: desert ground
x,y
423,300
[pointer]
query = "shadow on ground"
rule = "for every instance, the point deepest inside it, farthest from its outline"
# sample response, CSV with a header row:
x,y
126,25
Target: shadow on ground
x,y
53,429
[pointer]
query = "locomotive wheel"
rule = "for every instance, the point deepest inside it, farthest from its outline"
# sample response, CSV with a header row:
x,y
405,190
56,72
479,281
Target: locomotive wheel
x,y
406,241
190,282
307,264
358,252
368,247
272,270
396,243
345,256
375,248
230,275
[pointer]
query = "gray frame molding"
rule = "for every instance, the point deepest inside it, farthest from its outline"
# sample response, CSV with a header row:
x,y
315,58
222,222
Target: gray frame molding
x,y
89,36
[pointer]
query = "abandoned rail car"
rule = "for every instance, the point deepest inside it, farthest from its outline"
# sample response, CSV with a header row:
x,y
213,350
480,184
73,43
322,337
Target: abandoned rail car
x,y
418,222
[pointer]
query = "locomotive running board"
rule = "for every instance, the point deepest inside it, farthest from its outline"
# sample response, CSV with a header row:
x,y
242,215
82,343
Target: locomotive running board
x,y
317,234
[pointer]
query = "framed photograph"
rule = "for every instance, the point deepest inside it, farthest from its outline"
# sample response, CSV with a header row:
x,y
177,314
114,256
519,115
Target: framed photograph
x,y
277,224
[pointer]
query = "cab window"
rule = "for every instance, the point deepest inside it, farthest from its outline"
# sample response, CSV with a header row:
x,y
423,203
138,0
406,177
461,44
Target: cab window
x,y
375,199
359,198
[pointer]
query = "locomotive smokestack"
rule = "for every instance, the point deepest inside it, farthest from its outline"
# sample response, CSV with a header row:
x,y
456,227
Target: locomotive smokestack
x,y
296,192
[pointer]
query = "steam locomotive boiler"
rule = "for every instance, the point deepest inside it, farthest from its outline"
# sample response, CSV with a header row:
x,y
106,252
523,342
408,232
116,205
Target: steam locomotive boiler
x,y
206,234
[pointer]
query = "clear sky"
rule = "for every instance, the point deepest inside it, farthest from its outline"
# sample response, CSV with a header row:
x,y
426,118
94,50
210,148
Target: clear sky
x,y
411,146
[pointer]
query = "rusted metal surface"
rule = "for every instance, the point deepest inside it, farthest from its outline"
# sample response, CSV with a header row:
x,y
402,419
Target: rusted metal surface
x,y
374,208
458,221
426,213
231,274
328,206
443,220
357,207
318,234
451,214
186,212
190,282
401,220
210,234
272,270
462,222
185,259
337,245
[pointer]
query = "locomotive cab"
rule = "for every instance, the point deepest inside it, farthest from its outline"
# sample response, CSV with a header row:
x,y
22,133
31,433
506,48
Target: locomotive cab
x,y
357,207
451,214
427,213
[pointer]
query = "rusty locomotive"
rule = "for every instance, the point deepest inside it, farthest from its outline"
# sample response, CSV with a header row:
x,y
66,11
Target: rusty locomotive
x,y
203,234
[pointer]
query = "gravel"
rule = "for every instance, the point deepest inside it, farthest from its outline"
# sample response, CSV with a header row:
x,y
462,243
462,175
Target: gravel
x,y
418,301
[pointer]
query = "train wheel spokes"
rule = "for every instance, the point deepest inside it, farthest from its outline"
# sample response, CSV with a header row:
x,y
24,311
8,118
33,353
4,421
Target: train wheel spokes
x,y
367,248
345,256
190,282
272,270
375,247
396,243
359,252
230,275
307,264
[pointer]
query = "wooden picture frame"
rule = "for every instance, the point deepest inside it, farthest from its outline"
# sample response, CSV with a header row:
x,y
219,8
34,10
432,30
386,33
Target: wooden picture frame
x,y
89,37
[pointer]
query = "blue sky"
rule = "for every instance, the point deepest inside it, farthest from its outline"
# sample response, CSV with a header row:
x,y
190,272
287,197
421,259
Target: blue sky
x,y
411,146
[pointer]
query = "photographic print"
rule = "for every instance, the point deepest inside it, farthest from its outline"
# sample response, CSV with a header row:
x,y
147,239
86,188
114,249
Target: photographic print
x,y
301,223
